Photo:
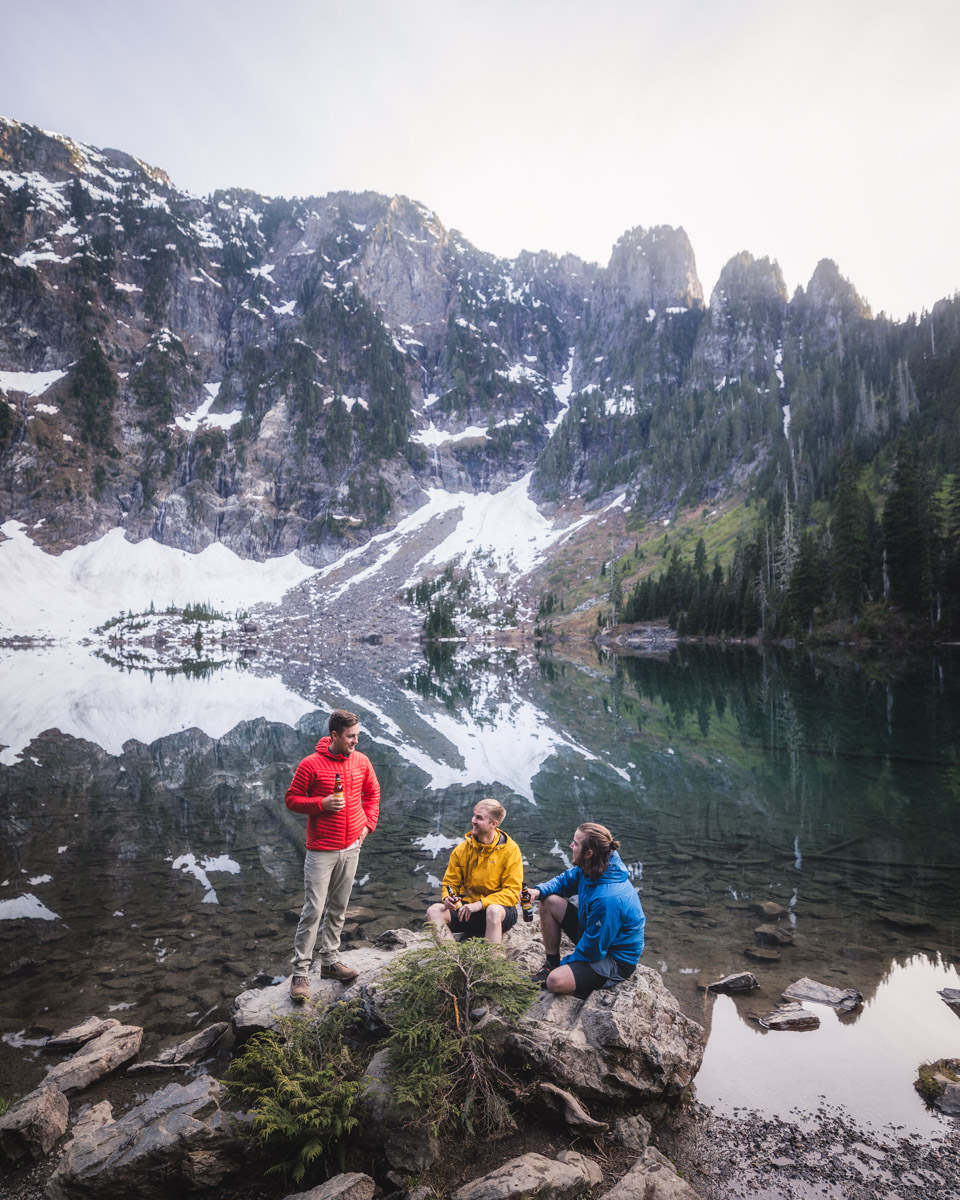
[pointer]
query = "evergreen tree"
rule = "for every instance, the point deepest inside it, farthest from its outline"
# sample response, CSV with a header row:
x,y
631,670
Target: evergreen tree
x,y
95,386
849,539
905,534
807,581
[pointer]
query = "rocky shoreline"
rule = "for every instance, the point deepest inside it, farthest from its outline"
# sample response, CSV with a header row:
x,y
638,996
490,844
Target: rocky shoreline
x,y
613,1114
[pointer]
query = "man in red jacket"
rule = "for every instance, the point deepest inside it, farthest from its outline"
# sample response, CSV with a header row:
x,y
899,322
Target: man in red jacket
x,y
336,828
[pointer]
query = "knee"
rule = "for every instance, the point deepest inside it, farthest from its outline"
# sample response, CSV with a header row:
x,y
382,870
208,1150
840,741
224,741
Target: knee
x,y
437,912
495,915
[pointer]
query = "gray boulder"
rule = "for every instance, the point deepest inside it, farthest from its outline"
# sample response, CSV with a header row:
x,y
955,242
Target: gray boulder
x,y
742,981
951,996
176,1142
351,1186
790,1016
533,1175
652,1178
79,1035
396,1132
182,1055
97,1058
630,1042
261,1008
34,1124
633,1133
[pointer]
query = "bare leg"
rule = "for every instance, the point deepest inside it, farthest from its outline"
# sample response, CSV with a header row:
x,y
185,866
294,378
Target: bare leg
x,y
561,981
439,914
495,914
552,909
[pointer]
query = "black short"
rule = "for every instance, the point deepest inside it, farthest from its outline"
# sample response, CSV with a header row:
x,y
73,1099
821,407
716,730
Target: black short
x,y
476,924
589,977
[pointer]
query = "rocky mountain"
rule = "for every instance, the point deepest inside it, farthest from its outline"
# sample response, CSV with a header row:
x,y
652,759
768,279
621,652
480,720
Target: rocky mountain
x,y
281,374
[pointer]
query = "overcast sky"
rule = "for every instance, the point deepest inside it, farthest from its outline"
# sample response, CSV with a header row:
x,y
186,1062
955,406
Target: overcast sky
x,y
827,128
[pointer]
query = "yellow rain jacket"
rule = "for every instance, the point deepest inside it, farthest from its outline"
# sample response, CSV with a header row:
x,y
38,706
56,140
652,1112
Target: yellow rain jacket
x,y
492,874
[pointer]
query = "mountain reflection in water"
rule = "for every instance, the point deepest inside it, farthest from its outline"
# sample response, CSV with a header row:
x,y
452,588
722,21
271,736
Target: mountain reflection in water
x,y
169,874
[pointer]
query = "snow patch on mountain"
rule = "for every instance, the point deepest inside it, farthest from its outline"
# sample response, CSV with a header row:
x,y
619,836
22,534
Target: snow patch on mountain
x,y
68,595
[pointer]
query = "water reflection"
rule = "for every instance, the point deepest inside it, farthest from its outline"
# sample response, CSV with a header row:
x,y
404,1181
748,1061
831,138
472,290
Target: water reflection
x,y
153,834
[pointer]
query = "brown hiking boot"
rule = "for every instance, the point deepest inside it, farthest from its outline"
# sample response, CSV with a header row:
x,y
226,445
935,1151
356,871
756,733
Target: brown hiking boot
x,y
338,970
299,988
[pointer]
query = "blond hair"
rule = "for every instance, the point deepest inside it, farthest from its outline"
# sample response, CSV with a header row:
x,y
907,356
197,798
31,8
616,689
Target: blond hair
x,y
494,808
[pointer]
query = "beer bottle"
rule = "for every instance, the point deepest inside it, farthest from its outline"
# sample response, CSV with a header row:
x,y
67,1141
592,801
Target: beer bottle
x,y
526,903
338,788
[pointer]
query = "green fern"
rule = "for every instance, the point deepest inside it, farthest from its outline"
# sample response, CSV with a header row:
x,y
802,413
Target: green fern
x,y
303,1085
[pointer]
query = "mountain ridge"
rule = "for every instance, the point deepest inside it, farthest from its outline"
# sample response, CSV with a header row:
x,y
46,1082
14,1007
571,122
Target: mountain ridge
x,y
293,374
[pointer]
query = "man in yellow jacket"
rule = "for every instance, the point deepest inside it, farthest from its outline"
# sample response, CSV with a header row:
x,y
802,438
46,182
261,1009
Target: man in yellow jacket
x,y
481,885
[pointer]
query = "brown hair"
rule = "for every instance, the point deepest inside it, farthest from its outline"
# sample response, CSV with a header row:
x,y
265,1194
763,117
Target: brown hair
x,y
494,808
340,720
598,843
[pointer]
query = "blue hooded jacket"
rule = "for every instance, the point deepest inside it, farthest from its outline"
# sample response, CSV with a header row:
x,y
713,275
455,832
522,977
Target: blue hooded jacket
x,y
610,912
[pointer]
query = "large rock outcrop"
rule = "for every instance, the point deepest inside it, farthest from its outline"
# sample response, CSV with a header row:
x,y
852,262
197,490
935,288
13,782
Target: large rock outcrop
x,y
176,1142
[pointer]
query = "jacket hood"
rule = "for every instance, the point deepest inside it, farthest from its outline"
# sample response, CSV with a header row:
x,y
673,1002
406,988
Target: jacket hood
x,y
323,747
500,840
615,872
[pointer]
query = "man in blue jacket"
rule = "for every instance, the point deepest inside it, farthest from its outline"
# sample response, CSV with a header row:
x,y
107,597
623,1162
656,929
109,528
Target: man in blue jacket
x,y
605,925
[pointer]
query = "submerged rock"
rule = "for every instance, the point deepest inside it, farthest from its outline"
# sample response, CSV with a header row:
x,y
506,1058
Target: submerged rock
x,y
844,999
762,954
905,920
773,935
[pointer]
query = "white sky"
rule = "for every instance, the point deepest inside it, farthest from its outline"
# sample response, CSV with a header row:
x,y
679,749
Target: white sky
x,y
822,129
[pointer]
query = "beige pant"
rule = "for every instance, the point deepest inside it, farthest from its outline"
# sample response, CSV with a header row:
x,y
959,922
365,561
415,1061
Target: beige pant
x,y
327,883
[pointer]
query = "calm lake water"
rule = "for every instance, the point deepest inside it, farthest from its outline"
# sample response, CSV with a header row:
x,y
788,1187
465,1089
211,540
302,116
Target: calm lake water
x,y
156,881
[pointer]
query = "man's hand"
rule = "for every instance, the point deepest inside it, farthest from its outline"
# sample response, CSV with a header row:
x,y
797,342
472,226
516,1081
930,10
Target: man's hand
x,y
332,803
468,909
363,834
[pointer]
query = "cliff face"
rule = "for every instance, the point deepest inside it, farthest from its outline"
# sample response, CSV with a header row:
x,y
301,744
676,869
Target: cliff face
x,y
290,374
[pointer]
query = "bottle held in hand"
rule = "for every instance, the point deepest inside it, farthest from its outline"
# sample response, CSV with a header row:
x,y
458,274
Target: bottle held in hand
x,y
338,800
526,903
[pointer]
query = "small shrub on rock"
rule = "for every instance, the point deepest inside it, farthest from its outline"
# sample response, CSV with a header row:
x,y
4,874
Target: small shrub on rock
x,y
443,1060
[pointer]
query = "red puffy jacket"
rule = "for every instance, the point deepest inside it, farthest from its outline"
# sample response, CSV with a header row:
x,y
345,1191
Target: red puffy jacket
x,y
314,779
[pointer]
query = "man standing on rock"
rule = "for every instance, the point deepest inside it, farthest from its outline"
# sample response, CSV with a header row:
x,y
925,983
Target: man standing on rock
x,y
481,885
605,925
338,791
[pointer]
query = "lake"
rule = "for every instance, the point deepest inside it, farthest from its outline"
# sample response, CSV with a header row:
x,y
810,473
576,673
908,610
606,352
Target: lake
x,y
150,870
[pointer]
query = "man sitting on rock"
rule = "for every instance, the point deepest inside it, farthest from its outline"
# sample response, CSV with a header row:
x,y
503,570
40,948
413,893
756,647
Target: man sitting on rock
x,y
481,885
605,925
